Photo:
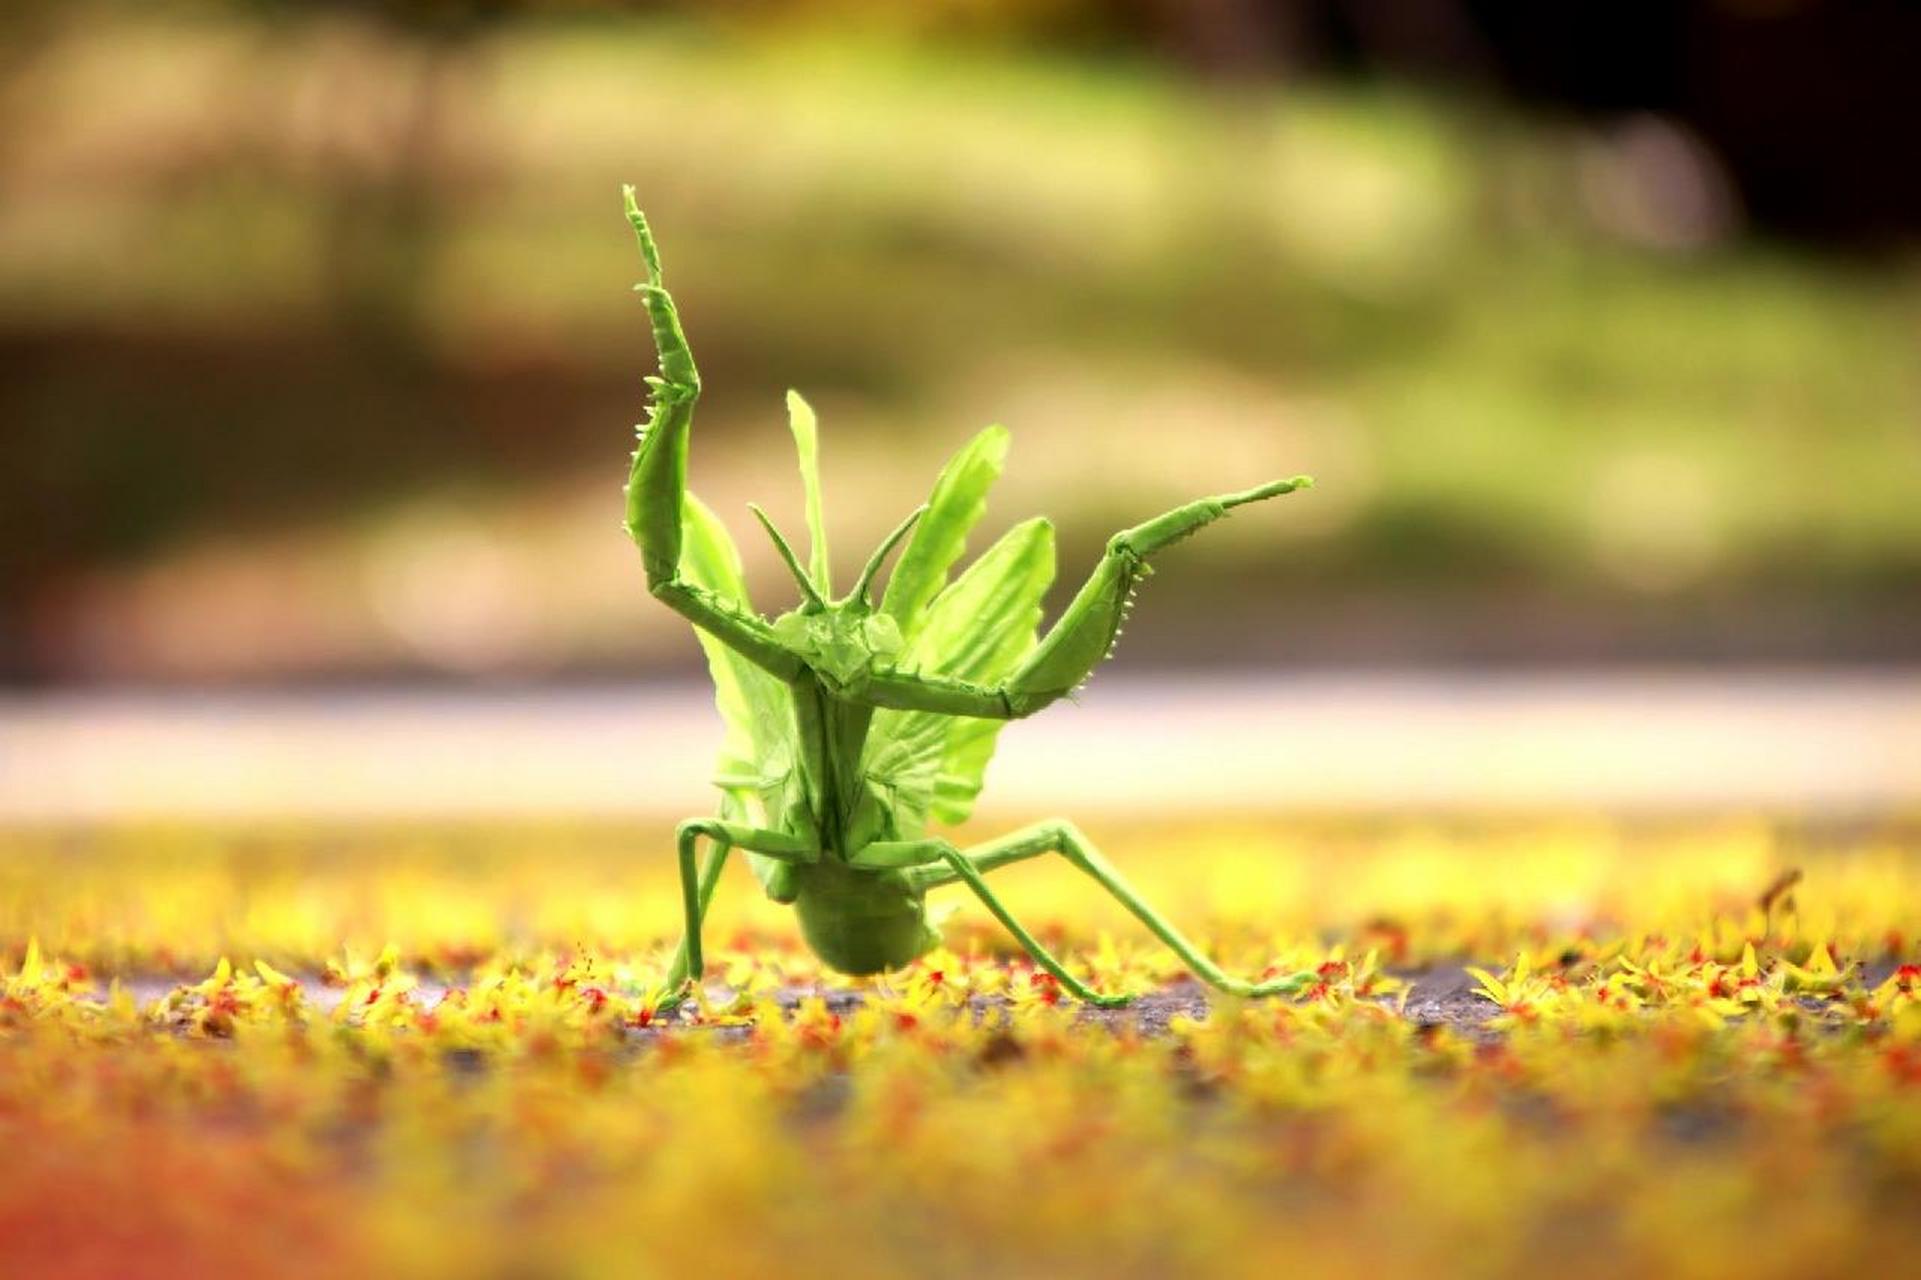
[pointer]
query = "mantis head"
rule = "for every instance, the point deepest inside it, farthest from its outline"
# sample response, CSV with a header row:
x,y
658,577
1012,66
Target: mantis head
x,y
840,638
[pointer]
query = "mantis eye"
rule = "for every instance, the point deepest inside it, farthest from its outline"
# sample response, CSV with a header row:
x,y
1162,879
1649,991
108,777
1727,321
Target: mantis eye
x,y
882,635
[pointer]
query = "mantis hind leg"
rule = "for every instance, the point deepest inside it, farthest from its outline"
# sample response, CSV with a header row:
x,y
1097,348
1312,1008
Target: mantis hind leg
x,y
936,862
697,888
1064,838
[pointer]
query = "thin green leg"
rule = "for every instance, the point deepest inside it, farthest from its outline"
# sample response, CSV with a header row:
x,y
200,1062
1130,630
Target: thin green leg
x,y
697,888
1067,840
965,871
717,852
938,862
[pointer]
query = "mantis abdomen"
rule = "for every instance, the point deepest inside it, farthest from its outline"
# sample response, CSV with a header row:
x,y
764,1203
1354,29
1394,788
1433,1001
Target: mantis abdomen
x,y
858,922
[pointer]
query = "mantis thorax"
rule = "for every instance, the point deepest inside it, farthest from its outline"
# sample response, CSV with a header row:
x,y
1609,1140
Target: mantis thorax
x,y
841,641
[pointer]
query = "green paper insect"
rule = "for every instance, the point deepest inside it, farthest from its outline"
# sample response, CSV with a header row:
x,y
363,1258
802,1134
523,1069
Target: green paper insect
x,y
854,722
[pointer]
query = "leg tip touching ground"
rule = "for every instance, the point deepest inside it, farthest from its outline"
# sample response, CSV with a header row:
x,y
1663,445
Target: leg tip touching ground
x,y
1099,1001
1292,985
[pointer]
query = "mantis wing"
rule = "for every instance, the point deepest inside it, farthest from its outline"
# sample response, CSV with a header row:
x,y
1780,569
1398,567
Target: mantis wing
x,y
757,753
978,630
958,501
800,417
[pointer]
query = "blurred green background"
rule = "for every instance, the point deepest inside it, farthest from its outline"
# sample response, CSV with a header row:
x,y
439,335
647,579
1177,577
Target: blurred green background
x,y
318,359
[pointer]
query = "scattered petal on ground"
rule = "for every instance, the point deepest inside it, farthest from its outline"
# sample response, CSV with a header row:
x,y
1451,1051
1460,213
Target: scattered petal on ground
x,y
1574,1049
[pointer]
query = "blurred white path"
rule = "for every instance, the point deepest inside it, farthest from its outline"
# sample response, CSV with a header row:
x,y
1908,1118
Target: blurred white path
x,y
1834,744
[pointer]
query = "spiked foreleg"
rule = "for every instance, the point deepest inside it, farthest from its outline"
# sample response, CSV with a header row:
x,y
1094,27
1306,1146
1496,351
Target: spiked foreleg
x,y
1086,631
657,481
697,888
935,862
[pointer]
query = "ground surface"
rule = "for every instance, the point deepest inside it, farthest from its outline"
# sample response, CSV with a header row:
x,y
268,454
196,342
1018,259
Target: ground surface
x,y
1444,996
1832,743
1659,1049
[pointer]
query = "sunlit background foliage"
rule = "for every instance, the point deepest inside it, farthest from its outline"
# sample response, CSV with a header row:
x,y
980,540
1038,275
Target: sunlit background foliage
x,y
320,359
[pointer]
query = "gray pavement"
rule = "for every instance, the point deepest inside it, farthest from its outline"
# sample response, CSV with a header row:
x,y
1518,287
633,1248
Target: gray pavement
x,y
1822,744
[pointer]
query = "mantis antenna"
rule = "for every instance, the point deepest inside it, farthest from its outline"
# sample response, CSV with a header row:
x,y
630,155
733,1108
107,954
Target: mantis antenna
x,y
807,587
879,557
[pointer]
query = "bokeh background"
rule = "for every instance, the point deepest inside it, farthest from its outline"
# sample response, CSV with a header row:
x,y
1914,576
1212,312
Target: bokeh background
x,y
1594,659
1599,327
1597,323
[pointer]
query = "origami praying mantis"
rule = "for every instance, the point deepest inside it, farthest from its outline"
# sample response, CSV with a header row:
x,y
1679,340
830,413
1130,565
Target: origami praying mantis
x,y
853,722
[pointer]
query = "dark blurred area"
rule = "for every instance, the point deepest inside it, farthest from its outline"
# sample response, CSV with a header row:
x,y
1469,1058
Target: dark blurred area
x,y
1598,323
1808,105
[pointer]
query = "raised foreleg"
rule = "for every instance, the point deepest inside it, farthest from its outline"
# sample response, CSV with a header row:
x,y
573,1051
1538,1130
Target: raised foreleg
x,y
657,482
1085,633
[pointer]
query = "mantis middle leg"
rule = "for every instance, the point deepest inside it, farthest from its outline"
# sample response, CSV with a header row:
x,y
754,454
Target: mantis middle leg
x,y
934,863
697,889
